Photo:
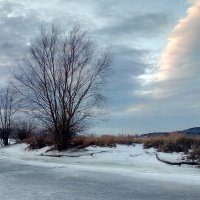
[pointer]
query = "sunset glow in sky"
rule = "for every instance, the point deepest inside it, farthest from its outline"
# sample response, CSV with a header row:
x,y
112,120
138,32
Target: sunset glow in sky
x,y
155,46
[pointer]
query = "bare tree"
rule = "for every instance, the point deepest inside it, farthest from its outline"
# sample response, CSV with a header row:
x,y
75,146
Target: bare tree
x,y
9,104
23,130
62,77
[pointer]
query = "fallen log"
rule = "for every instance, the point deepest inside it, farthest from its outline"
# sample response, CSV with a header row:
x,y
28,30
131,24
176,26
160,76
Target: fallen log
x,y
177,163
72,156
135,155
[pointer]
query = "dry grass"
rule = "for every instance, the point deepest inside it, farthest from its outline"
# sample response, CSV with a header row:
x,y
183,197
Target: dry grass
x,y
174,142
105,140
39,141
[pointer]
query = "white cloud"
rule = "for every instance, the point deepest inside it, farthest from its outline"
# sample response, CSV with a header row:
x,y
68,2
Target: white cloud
x,y
180,59
179,67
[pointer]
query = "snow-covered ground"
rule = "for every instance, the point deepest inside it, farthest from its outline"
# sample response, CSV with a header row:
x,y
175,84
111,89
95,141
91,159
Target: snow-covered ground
x,y
131,161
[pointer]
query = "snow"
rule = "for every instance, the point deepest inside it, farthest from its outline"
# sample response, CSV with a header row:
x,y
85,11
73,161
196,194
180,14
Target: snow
x,y
131,161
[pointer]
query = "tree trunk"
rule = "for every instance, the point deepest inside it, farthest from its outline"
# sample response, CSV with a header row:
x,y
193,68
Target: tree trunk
x,y
5,140
62,141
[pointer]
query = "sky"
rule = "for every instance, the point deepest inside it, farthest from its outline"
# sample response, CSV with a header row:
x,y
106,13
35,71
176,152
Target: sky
x,y
155,46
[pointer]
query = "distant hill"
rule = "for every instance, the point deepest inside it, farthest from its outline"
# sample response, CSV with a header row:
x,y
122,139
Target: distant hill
x,y
190,131
154,134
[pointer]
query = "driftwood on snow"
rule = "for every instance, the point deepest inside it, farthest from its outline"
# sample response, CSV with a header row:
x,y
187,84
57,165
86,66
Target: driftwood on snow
x,y
135,155
73,156
177,163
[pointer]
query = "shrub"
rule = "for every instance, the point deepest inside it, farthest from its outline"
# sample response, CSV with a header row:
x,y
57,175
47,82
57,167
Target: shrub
x,y
174,142
21,135
83,141
104,140
39,141
23,131
195,154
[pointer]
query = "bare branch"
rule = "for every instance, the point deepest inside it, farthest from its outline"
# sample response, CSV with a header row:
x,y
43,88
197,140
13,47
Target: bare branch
x,y
62,77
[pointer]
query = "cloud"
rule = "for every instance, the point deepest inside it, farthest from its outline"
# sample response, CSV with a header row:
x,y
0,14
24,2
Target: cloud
x,y
178,70
137,25
18,26
180,59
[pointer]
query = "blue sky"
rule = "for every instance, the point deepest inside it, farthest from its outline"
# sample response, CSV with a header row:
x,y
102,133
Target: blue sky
x,y
155,47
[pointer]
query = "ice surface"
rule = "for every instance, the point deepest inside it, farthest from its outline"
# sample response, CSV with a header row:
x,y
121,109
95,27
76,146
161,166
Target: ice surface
x,y
132,161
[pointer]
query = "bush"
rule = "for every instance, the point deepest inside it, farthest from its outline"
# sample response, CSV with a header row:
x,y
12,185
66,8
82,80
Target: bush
x,y
21,135
23,131
82,141
195,154
174,142
104,140
39,141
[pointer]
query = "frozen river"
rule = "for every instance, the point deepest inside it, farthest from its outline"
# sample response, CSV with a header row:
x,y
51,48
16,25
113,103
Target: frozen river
x,y
22,181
